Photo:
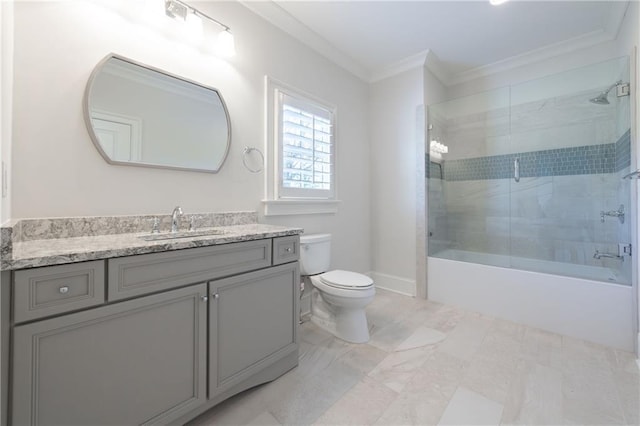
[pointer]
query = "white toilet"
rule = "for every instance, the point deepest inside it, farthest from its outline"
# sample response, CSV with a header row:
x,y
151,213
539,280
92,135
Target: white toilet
x,y
338,297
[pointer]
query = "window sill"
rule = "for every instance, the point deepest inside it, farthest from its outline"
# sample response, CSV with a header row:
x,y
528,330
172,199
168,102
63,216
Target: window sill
x,y
291,207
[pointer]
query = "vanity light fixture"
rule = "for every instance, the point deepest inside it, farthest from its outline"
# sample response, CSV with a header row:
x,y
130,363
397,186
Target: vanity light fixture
x,y
194,26
192,17
225,44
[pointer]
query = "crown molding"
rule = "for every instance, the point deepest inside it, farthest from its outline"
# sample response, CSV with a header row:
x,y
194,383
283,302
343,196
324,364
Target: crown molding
x,y
437,68
282,19
609,32
533,56
426,58
406,64
276,15
613,22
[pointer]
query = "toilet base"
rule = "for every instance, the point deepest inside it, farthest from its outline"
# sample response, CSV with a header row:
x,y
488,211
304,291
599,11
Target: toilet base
x,y
348,324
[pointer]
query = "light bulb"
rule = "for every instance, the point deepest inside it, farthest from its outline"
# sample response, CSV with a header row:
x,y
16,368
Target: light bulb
x,y
193,26
225,45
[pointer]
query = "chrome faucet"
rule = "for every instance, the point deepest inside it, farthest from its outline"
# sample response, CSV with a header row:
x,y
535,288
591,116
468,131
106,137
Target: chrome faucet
x,y
599,255
614,213
174,218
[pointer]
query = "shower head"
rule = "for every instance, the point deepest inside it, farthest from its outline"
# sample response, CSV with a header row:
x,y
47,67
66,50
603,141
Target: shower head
x,y
601,99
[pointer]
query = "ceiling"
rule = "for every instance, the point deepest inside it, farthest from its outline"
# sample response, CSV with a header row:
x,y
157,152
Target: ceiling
x,y
458,39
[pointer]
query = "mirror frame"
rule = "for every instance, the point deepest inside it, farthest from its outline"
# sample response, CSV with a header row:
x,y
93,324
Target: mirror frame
x,y
96,141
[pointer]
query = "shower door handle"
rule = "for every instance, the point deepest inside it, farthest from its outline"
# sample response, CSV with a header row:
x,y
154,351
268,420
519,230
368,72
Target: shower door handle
x,y
516,169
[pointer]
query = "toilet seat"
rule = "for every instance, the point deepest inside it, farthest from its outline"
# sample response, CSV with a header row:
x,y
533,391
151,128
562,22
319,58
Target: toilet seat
x,y
346,280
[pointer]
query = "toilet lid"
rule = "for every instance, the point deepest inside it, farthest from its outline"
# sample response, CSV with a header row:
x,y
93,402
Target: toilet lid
x,y
346,279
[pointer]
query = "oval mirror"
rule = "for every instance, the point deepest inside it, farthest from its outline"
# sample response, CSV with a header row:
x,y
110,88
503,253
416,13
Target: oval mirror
x,y
138,115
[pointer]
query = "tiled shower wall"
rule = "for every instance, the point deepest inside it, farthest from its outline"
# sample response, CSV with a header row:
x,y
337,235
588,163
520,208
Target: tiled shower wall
x,y
572,158
551,218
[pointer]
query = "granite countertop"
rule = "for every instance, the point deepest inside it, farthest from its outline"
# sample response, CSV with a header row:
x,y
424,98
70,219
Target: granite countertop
x,y
56,251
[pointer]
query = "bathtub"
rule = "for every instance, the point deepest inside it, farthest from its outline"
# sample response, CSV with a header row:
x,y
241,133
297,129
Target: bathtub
x,y
592,307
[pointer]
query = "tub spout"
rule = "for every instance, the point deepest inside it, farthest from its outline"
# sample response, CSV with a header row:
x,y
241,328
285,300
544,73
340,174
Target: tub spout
x,y
598,255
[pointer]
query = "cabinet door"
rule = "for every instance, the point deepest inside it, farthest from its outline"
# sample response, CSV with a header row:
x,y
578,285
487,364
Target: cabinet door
x,y
253,322
135,362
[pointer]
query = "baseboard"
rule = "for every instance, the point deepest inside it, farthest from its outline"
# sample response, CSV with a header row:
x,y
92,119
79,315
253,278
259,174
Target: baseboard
x,y
392,283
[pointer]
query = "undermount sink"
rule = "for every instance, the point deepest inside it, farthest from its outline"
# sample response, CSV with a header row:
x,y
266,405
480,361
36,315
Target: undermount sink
x,y
183,234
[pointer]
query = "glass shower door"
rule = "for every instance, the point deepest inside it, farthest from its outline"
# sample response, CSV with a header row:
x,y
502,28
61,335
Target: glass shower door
x,y
470,170
570,208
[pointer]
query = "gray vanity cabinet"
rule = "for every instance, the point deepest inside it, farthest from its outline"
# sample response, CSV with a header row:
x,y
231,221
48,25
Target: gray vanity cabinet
x,y
253,321
141,361
154,338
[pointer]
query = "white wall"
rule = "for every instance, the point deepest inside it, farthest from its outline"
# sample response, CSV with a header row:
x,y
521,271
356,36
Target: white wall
x,y
394,103
6,76
58,172
6,97
434,90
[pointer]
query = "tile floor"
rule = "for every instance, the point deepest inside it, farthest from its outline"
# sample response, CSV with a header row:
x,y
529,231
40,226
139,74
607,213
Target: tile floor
x,y
428,364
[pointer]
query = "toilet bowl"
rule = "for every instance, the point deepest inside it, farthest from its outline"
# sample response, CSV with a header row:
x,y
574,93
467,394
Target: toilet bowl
x,y
338,298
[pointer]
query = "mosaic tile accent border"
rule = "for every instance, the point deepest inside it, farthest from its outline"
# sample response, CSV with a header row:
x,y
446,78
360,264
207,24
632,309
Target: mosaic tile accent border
x,y
623,151
581,160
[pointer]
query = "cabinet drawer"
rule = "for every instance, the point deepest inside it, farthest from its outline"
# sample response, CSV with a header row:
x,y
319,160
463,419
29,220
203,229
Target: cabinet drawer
x,y
51,290
286,249
137,275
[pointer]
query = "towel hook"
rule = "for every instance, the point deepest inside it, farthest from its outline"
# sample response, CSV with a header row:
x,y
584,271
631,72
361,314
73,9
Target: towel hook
x,y
247,150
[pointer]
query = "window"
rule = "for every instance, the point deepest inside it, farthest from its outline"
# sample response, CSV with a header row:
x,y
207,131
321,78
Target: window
x,y
305,148
301,147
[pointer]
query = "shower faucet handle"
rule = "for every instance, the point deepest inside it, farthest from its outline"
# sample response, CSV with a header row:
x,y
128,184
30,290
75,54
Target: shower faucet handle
x,y
614,213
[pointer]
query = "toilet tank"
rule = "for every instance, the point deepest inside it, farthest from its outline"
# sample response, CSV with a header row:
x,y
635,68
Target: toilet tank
x,y
315,253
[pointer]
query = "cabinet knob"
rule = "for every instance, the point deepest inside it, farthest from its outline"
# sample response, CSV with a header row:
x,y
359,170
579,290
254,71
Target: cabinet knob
x,y
288,249
204,298
215,296
64,289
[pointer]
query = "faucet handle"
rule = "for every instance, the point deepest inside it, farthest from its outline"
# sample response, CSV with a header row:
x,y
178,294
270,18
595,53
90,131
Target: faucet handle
x,y
155,227
192,223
